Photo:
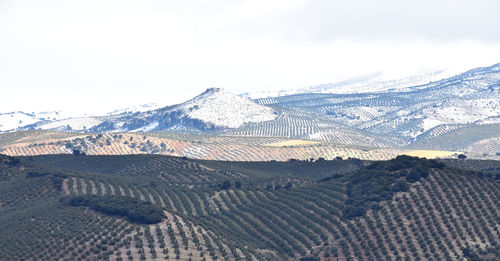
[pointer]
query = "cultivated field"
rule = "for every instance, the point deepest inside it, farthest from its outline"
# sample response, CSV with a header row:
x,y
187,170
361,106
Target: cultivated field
x,y
432,154
210,147
405,209
292,143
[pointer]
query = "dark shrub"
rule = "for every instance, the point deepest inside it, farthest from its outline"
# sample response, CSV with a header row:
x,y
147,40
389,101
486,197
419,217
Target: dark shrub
x,y
133,209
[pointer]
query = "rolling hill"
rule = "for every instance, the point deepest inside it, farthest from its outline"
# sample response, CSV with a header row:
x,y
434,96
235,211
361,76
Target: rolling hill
x,y
400,118
76,208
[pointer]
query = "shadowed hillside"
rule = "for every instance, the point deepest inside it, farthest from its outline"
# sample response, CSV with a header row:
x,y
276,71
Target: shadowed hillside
x,y
404,209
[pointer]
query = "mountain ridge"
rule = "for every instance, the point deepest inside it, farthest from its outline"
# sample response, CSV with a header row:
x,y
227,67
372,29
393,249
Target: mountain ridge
x,y
386,119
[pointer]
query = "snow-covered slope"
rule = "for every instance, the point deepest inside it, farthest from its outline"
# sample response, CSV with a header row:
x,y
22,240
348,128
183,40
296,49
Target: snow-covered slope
x,y
377,82
412,113
224,109
70,124
214,109
12,121
136,108
60,121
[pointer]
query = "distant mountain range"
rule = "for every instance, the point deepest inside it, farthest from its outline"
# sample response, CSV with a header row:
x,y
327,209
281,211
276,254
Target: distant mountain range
x,y
395,113
376,82
213,110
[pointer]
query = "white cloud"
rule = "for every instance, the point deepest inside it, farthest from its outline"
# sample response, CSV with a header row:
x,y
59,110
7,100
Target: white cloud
x,y
98,55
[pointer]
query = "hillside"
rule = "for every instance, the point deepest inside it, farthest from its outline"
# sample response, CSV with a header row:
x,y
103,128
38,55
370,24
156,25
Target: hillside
x,y
406,117
11,121
406,208
210,111
209,147
376,82
413,113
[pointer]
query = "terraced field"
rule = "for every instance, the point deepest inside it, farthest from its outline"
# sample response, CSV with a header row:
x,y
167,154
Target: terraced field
x,y
463,109
480,139
403,209
306,125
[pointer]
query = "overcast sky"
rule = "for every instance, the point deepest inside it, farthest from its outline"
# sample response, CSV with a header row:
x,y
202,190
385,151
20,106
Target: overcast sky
x,y
94,55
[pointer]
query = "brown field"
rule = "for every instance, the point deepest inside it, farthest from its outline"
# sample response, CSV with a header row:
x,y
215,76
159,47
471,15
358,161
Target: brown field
x,y
232,148
209,147
292,143
432,154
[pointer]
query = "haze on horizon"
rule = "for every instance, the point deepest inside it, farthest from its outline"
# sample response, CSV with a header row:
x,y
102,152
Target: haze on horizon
x,y
96,56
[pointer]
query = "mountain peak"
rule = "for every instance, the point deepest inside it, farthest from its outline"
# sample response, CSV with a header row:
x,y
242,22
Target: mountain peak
x,y
210,91
224,109
213,89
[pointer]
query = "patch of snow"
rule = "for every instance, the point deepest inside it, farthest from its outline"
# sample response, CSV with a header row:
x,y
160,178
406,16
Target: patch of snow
x,y
76,124
136,108
12,121
224,109
430,123
377,82
465,111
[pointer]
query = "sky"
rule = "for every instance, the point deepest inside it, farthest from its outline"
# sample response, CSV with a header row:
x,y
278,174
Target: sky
x,y
99,55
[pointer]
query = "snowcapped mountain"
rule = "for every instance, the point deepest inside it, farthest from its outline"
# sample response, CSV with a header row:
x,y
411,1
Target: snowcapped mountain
x,y
376,82
418,112
214,109
223,109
